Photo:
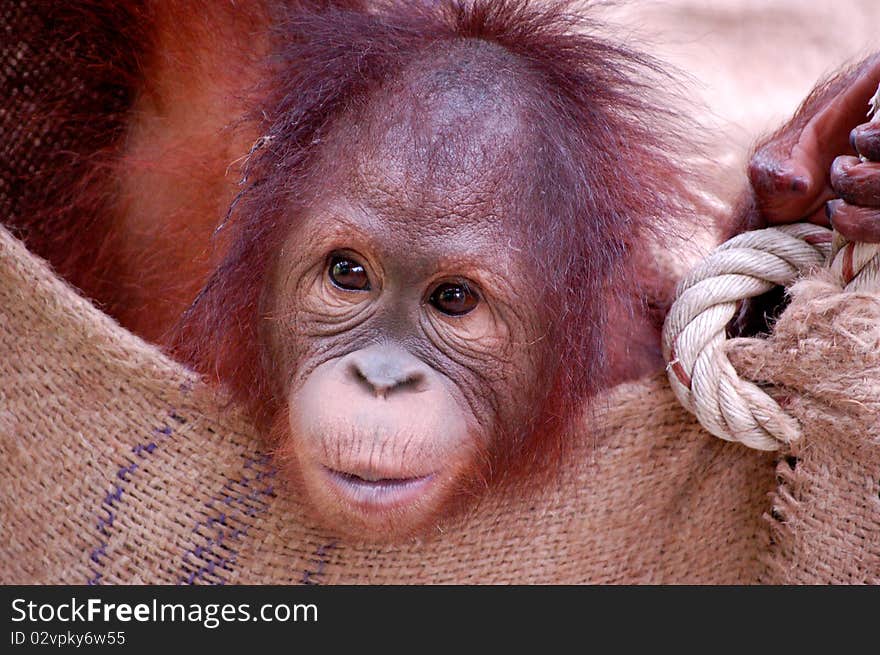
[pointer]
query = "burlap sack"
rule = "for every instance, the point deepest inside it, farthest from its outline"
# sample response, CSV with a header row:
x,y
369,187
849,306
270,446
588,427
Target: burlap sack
x,y
118,466
824,357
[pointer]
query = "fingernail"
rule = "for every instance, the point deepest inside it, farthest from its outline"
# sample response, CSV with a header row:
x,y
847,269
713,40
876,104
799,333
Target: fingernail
x,y
868,135
831,207
852,141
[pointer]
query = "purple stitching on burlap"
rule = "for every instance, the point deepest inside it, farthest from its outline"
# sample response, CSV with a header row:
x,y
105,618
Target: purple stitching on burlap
x,y
114,497
227,523
127,470
98,552
104,524
321,559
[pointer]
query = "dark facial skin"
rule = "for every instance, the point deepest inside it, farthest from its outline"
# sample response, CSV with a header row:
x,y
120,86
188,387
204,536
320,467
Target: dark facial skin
x,y
407,322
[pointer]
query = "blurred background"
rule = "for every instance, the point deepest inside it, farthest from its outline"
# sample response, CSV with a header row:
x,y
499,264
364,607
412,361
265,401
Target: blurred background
x,y
751,61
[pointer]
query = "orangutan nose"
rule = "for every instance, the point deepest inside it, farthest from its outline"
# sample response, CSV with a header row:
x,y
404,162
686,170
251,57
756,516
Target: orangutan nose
x,y
383,370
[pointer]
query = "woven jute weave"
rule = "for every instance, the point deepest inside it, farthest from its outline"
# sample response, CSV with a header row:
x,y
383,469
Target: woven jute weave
x,y
119,466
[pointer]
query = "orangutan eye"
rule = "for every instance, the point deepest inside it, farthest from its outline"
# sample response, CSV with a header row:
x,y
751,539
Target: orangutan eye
x,y
349,274
454,298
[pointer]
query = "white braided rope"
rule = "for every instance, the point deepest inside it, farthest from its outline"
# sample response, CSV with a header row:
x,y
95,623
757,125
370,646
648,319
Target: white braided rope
x,y
694,333
748,265
857,266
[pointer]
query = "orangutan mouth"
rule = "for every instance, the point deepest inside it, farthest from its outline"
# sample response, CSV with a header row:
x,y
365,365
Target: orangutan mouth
x,y
373,492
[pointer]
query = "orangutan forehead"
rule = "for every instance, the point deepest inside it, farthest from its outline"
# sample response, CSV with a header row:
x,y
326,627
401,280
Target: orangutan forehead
x,y
449,132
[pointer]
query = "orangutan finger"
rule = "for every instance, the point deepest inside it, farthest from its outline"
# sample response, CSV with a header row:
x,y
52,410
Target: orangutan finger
x,y
820,217
856,182
855,223
865,140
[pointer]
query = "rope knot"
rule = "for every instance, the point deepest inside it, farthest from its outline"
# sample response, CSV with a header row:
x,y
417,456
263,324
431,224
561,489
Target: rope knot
x,y
707,299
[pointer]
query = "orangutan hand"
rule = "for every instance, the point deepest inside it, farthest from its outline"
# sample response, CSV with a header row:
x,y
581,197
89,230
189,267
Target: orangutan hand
x,y
791,172
856,182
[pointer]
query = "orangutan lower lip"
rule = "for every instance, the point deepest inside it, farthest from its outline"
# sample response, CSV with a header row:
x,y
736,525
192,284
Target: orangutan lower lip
x,y
381,492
